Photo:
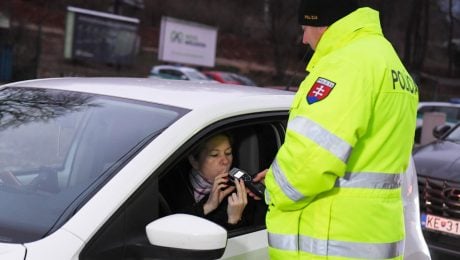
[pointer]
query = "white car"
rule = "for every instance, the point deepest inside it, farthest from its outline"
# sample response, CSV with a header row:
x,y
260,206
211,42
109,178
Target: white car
x,y
178,72
83,161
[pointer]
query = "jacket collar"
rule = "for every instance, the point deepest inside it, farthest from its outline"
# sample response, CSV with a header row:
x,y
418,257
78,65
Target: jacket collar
x,y
363,20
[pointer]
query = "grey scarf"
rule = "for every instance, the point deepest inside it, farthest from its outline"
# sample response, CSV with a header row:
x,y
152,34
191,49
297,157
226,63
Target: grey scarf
x,y
201,187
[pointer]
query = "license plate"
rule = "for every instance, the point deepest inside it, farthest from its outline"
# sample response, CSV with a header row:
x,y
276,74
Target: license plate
x,y
441,224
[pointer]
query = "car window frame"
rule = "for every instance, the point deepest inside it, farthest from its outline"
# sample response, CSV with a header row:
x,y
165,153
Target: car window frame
x,y
138,241
452,112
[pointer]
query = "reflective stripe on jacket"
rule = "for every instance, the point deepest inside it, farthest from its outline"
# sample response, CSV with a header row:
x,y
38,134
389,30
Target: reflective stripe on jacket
x,y
334,186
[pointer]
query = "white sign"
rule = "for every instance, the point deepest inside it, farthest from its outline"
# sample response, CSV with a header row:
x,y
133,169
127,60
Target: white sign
x,y
187,42
100,37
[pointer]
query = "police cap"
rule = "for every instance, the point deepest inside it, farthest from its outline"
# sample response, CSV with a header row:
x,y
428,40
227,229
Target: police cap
x,y
324,12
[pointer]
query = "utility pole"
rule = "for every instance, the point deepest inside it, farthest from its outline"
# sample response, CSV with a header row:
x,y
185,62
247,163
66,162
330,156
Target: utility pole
x,y
116,6
449,44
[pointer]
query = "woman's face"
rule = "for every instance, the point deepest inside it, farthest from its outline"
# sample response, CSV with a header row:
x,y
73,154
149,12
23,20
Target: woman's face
x,y
216,158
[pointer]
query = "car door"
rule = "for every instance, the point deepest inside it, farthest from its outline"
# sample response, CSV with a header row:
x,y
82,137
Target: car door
x,y
256,137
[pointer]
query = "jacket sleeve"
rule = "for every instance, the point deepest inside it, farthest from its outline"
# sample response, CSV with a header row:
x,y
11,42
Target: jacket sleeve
x,y
179,195
320,136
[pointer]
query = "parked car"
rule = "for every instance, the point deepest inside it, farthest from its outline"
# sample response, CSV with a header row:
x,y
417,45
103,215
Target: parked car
x,y
288,88
83,162
438,171
229,78
177,72
245,80
222,77
451,109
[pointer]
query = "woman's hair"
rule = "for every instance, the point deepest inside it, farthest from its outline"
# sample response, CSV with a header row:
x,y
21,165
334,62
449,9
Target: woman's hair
x,y
197,150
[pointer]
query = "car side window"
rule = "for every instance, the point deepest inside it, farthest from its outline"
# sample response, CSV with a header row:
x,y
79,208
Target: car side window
x,y
123,236
452,113
173,73
254,148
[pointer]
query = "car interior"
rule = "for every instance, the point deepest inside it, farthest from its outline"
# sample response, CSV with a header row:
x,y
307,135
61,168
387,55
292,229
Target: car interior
x,y
254,148
255,141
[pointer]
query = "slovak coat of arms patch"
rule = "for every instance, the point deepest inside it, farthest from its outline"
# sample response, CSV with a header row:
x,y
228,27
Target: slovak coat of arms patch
x,y
320,90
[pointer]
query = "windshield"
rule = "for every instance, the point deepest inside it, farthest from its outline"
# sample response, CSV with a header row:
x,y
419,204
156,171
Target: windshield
x,y
454,136
195,75
57,147
227,77
244,80
452,112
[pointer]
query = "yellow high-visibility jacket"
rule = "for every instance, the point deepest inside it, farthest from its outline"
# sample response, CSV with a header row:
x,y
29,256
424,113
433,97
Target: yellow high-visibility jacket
x,y
334,187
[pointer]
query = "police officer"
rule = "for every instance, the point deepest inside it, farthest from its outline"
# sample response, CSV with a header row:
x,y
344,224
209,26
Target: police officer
x,y
334,187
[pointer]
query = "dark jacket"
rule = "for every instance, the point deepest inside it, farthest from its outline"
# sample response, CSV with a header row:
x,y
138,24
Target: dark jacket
x,y
181,200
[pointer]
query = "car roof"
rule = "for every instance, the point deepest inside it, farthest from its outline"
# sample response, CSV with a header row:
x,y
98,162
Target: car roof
x,y
180,68
186,94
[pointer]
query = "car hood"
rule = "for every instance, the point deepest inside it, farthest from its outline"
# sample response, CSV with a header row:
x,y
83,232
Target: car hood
x,y
12,251
440,159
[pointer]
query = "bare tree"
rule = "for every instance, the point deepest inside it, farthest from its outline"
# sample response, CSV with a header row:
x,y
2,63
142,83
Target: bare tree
x,y
283,32
417,34
449,40
18,106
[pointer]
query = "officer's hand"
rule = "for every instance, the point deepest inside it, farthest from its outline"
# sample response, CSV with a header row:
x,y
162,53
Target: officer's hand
x,y
260,177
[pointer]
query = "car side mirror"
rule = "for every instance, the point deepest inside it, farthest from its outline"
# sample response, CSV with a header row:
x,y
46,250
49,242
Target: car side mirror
x,y
182,236
440,130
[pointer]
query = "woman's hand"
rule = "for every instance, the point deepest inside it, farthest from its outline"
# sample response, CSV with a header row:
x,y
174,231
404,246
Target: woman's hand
x,y
220,190
237,202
